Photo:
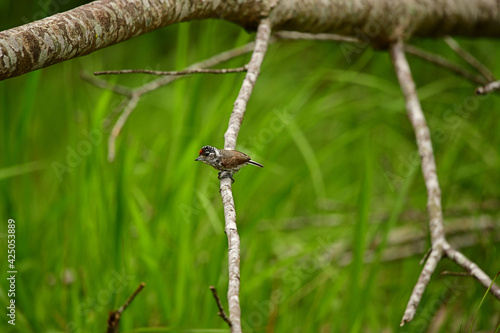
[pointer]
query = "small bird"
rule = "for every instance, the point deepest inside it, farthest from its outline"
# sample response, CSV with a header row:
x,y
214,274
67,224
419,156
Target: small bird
x,y
225,160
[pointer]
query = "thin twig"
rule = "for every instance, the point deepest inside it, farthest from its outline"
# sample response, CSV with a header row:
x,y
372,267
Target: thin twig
x,y
295,35
221,312
115,316
212,61
424,143
132,297
423,281
445,63
117,128
116,88
470,59
473,270
490,87
231,135
463,274
175,73
426,255
155,84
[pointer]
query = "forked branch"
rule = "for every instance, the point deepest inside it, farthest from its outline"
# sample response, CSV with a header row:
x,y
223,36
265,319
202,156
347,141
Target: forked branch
x,y
439,244
423,138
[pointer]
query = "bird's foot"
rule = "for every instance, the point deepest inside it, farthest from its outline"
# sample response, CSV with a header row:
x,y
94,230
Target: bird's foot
x,y
225,175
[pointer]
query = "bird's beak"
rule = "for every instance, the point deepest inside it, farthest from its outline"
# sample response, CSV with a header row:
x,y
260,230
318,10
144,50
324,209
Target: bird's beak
x,y
198,159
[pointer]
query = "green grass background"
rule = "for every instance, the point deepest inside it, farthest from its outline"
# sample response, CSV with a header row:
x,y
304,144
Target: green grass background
x,y
337,147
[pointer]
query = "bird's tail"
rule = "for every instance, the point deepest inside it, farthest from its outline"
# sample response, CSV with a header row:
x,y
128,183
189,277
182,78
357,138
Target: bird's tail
x,y
255,163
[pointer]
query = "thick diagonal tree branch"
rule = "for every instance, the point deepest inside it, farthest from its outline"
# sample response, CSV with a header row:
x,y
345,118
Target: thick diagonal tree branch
x,y
103,23
261,43
439,244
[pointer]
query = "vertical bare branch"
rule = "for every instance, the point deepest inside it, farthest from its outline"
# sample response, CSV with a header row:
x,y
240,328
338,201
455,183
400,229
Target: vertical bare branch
x,y
240,105
423,138
261,43
233,239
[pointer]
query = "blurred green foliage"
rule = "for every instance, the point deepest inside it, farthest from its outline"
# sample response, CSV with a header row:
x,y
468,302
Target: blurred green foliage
x,y
339,175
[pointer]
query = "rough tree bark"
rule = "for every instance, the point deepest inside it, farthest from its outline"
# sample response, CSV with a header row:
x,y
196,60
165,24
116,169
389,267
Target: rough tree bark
x,y
103,23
